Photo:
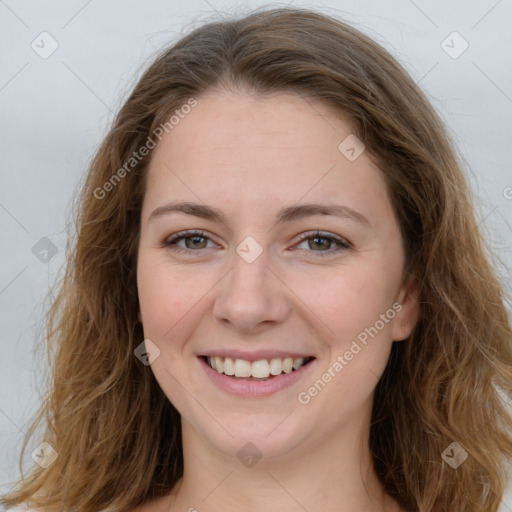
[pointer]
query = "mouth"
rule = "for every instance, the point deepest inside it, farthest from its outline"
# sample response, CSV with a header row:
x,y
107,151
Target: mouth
x,y
260,370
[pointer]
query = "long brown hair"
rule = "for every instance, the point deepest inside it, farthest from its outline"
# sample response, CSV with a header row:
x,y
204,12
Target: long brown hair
x,y
117,435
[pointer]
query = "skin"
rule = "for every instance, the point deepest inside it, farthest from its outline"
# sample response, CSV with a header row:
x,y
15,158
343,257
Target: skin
x,y
250,156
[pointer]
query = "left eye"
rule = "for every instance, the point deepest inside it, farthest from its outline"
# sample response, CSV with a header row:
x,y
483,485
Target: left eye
x,y
322,243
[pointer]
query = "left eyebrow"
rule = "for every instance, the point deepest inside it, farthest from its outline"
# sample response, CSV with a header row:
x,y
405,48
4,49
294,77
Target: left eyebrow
x,y
305,210
287,214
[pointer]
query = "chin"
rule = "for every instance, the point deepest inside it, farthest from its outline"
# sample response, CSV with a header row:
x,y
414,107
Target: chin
x,y
257,436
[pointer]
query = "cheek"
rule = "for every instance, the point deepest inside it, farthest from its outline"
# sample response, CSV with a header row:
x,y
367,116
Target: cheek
x,y
346,300
169,297
351,304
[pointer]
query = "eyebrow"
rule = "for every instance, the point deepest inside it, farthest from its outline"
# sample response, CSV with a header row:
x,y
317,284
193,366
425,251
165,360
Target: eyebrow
x,y
287,214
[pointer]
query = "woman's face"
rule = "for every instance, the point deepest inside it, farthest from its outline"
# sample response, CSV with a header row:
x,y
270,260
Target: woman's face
x,y
298,255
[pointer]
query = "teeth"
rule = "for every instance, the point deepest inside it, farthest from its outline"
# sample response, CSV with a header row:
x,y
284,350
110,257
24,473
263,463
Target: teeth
x,y
261,369
229,366
287,365
242,368
219,365
298,362
276,367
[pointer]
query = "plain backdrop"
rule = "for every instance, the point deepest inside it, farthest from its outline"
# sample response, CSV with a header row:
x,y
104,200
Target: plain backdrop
x,y
66,68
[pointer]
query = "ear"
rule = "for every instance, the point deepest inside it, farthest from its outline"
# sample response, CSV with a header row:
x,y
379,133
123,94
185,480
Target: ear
x,y
139,315
407,316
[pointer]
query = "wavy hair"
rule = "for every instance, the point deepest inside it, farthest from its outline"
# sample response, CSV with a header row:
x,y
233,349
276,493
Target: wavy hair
x,y
118,437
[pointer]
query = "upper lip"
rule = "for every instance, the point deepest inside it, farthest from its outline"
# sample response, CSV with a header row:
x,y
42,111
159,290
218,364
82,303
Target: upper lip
x,y
256,355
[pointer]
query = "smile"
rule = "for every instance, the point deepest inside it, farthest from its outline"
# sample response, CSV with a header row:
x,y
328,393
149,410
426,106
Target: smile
x,y
262,369
258,377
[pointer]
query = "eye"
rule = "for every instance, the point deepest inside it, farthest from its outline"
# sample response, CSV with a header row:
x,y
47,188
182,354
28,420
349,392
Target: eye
x,y
192,241
322,243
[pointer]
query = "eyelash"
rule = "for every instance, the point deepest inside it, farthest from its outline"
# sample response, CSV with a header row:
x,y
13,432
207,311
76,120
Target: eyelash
x,y
343,244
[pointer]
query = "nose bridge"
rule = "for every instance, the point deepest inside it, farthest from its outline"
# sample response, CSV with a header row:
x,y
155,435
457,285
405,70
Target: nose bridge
x,y
250,294
249,279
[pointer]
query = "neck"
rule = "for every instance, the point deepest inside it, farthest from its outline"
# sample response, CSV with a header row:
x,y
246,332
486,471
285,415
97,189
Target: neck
x,y
321,474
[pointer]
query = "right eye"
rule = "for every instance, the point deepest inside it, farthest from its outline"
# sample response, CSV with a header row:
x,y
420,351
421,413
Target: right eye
x,y
196,238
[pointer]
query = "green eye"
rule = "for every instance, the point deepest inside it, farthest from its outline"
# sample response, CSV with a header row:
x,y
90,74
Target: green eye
x,y
319,241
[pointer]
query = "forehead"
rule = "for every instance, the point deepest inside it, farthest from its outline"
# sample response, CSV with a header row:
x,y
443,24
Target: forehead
x,y
235,120
244,148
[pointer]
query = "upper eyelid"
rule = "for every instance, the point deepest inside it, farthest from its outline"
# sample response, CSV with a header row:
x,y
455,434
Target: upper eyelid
x,y
188,234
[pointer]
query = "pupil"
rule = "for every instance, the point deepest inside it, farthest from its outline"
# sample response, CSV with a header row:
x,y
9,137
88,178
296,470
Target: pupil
x,y
194,239
320,238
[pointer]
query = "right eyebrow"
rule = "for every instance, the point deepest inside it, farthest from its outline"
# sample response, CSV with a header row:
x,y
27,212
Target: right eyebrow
x,y
198,210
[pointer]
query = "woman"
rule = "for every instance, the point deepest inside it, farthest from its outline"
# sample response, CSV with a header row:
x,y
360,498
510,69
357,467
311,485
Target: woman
x,y
278,213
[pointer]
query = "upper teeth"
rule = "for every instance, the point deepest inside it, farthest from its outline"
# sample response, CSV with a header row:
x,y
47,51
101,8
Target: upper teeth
x,y
259,369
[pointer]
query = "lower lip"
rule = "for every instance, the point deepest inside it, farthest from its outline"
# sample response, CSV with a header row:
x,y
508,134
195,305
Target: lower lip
x,y
255,388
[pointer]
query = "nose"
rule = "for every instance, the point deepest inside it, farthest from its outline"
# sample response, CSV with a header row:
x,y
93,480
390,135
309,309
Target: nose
x,y
252,297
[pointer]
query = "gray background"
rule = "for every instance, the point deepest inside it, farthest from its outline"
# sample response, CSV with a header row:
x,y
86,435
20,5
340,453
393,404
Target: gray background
x,y
55,111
